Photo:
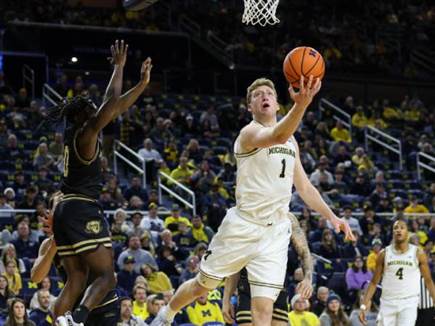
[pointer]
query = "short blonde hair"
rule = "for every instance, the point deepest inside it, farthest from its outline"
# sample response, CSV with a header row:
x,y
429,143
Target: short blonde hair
x,y
257,83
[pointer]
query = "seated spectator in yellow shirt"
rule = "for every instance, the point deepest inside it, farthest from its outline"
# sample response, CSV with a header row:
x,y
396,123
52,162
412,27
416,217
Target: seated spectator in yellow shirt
x,y
172,222
182,172
338,133
203,311
140,302
389,112
412,114
201,232
415,207
359,118
13,277
300,316
158,282
373,255
361,160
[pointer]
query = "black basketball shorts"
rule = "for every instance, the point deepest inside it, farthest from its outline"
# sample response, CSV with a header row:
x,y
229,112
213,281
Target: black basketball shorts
x,y
79,226
280,308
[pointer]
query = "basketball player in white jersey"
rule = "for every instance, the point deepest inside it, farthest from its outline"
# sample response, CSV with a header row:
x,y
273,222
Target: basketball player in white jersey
x,y
400,266
255,234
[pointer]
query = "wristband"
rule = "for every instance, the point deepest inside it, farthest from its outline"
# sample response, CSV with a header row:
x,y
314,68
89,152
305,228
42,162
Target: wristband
x,y
363,307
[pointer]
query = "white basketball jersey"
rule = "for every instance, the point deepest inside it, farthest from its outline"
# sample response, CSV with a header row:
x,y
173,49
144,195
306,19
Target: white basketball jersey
x,y
264,180
401,277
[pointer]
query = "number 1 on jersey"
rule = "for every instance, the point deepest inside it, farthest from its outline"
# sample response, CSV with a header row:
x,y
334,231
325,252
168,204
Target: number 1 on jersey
x,y
283,162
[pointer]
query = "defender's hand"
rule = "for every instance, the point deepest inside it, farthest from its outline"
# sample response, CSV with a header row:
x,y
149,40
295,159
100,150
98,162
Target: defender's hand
x,y
145,71
119,53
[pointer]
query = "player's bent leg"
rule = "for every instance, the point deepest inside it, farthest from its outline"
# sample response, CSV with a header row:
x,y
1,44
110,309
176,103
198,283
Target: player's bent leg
x,y
77,275
100,264
408,315
261,308
185,294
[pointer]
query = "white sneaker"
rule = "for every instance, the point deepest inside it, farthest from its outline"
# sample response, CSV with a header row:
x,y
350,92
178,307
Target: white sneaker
x,y
67,320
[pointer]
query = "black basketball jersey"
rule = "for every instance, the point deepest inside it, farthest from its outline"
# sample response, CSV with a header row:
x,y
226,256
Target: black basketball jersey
x,y
80,176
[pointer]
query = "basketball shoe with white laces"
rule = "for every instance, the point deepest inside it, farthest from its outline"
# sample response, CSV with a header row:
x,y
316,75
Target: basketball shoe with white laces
x,y
67,320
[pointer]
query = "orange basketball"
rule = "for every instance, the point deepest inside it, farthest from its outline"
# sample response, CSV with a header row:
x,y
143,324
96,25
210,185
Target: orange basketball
x,y
304,61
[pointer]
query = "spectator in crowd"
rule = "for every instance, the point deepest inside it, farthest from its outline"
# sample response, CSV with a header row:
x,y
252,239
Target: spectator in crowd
x,y
320,302
134,225
140,256
203,311
192,268
354,248
136,203
184,238
12,151
361,160
9,254
201,232
361,186
373,255
29,201
321,170
136,189
46,286
151,157
14,278
41,316
158,282
126,317
359,118
353,222
334,313
339,134
119,228
357,276
371,315
154,303
17,315
167,262
139,304
152,222
56,146
182,173
300,314
24,245
415,207
298,276
43,158
376,195
146,242
172,221
328,246
4,205
127,276
5,295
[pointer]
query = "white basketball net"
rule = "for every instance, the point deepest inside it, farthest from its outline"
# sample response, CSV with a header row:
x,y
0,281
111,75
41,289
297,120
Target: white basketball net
x,y
261,12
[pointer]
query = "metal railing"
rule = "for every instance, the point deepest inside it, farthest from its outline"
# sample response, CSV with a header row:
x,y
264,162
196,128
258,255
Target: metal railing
x,y
381,138
185,24
180,187
339,114
49,95
29,78
422,165
139,168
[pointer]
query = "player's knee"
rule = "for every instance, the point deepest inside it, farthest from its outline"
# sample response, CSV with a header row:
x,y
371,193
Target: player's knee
x,y
198,290
262,309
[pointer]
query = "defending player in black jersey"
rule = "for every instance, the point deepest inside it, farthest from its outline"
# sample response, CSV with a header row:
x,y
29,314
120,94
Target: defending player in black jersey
x,y
280,308
106,313
80,232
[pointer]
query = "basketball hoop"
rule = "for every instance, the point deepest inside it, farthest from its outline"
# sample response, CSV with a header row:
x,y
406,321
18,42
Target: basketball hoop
x,y
261,12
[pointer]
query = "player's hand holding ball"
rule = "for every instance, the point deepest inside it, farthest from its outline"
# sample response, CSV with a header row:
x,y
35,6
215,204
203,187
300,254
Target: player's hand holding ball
x,y
306,92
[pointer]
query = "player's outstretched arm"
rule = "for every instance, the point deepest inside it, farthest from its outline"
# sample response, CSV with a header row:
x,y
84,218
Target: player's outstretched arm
x,y
229,289
314,200
114,103
41,266
371,289
299,242
425,272
255,136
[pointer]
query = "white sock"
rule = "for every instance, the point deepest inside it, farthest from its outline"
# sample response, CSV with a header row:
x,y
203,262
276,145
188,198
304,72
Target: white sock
x,y
168,313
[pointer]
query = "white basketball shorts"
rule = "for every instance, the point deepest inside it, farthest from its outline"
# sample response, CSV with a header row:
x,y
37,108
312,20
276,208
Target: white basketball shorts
x,y
262,249
399,312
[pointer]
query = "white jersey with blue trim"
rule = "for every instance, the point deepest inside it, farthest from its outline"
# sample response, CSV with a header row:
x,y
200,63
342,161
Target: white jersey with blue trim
x,y
401,277
264,180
